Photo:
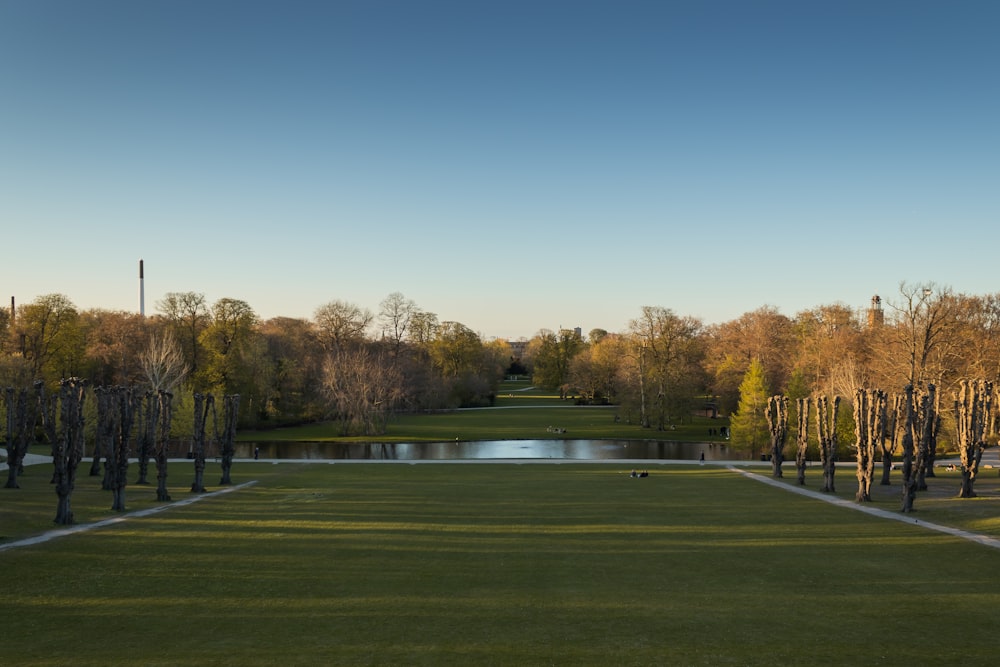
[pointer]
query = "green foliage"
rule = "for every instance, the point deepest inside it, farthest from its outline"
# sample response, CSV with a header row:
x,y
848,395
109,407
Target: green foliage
x,y
749,425
553,356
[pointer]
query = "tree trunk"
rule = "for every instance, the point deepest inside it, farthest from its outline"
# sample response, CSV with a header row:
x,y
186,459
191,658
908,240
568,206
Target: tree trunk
x,y
927,422
776,413
202,405
909,481
973,412
162,417
826,424
231,409
145,446
803,439
68,449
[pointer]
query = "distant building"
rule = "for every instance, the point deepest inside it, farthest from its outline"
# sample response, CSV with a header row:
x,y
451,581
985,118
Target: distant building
x,y
875,315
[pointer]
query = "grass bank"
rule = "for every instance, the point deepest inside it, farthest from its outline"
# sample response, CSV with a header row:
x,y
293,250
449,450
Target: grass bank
x,y
501,564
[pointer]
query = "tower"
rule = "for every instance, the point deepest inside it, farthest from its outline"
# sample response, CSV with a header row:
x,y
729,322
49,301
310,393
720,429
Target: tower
x,y
875,315
142,293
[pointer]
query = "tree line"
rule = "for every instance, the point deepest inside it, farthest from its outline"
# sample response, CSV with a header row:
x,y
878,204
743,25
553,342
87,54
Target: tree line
x,y
359,367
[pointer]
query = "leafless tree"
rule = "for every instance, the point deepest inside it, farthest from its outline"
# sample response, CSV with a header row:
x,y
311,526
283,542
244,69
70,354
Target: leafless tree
x,y
869,431
68,450
394,316
203,405
160,413
163,363
802,413
230,413
890,443
826,432
340,324
22,413
776,413
362,386
905,425
973,411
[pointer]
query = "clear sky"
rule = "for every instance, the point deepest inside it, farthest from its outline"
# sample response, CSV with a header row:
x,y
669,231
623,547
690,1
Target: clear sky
x,y
512,165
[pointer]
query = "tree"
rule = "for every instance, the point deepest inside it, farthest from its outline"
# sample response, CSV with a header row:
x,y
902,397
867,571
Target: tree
x,y
777,423
906,426
363,385
340,323
919,341
162,363
826,433
114,341
802,439
552,355
203,405
230,413
395,313
869,419
295,359
829,344
68,449
115,415
671,354
763,334
22,413
159,413
50,336
228,336
423,328
187,316
596,370
748,425
973,412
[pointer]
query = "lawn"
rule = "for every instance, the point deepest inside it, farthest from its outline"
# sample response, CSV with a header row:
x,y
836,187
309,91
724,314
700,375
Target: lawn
x,y
521,412
492,564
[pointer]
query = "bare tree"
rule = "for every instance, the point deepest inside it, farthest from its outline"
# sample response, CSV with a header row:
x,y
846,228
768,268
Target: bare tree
x,y
163,363
826,432
777,423
160,412
869,431
341,323
905,425
230,413
22,413
925,426
921,336
802,413
362,386
68,450
890,443
203,404
973,411
188,314
164,367
394,316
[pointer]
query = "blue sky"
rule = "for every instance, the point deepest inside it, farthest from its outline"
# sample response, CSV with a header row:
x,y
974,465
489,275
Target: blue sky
x,y
509,165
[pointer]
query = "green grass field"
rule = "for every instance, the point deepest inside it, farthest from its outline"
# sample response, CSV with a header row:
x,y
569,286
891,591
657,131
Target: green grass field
x,y
521,412
496,564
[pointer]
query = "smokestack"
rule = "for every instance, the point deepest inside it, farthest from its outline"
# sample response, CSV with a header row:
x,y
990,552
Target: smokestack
x,y
142,294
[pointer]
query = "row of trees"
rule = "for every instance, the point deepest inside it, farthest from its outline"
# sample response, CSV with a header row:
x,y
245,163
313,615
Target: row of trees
x,y
358,367
345,363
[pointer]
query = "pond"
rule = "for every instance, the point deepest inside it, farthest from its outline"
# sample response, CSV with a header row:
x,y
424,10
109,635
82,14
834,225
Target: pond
x,y
582,450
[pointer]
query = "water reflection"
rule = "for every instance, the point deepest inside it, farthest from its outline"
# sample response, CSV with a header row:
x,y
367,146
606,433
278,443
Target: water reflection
x,y
585,450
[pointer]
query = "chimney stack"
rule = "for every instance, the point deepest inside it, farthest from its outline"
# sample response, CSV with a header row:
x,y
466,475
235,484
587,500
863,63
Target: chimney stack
x,y
142,294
